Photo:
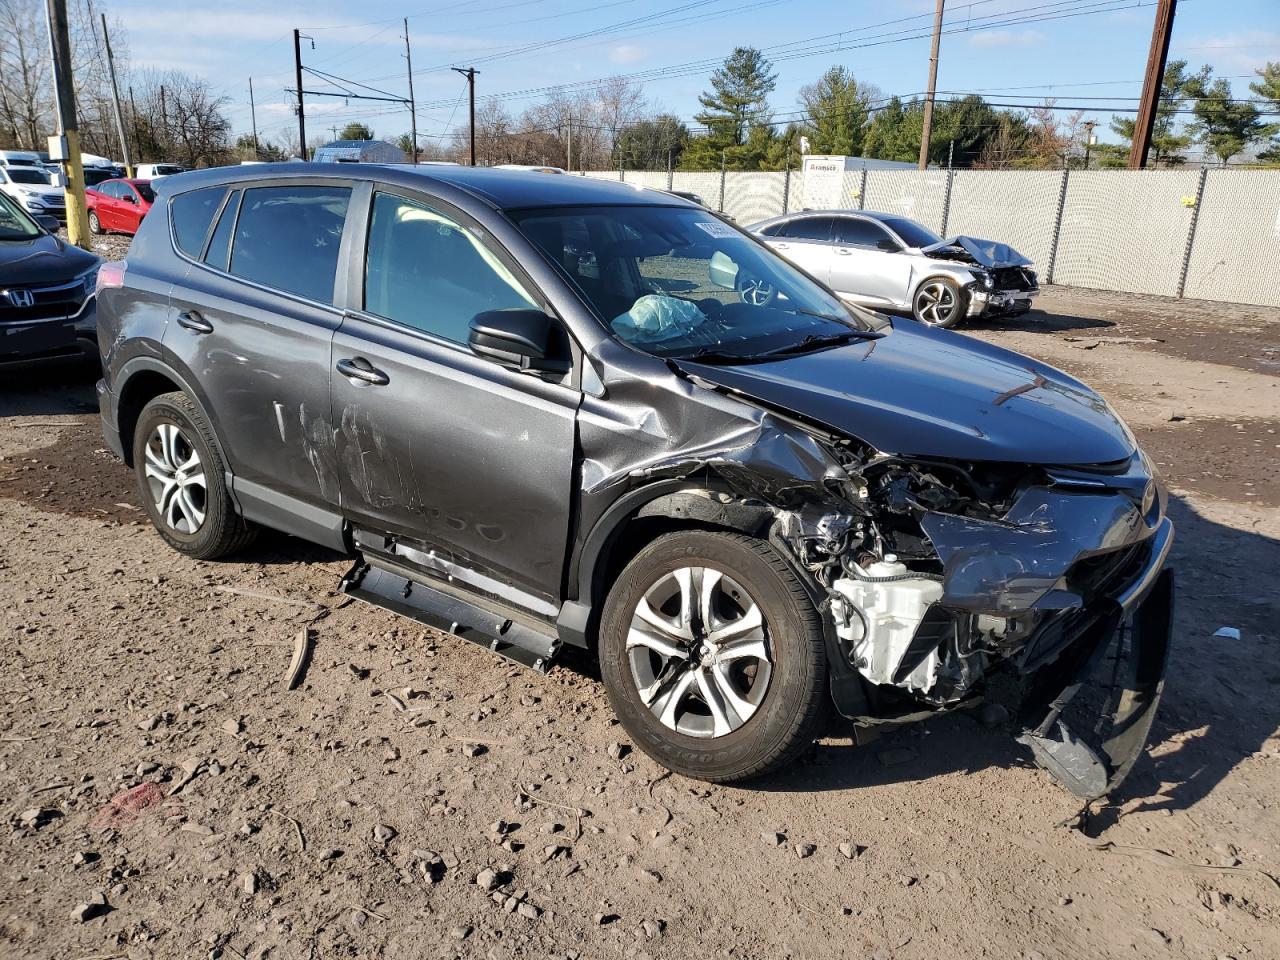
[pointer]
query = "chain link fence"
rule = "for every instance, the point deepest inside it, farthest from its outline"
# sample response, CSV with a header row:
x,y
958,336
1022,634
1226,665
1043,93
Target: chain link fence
x,y
1194,233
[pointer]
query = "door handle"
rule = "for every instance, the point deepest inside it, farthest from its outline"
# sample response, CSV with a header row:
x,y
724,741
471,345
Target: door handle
x,y
844,251
782,246
360,369
193,321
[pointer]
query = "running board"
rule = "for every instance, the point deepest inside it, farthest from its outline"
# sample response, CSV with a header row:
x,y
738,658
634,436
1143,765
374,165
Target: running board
x,y
389,588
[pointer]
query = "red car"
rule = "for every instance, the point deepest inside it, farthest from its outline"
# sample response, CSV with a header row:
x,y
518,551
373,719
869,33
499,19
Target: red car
x,y
118,205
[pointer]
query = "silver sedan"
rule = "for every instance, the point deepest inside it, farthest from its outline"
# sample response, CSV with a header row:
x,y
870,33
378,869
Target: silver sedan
x,y
887,261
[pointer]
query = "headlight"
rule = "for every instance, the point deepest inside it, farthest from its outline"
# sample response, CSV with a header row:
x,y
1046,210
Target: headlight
x,y
33,203
986,280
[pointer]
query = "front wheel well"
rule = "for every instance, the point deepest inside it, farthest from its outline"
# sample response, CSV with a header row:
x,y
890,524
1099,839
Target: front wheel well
x,y
139,390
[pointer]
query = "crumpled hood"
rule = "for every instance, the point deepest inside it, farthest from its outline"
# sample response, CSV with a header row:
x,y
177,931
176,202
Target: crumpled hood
x,y
932,393
988,253
43,259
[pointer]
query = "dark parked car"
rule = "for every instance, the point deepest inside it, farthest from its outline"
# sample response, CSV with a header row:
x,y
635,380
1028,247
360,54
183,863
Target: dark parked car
x,y
551,410
47,303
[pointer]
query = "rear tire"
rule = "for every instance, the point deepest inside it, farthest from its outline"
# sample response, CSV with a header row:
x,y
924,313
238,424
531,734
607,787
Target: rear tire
x,y
182,480
95,225
713,696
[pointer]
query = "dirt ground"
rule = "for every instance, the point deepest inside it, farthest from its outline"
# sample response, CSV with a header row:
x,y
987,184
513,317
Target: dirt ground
x,y
352,816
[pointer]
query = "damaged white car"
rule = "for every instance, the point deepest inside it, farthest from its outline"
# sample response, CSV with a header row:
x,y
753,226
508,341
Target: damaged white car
x,y
890,262
550,411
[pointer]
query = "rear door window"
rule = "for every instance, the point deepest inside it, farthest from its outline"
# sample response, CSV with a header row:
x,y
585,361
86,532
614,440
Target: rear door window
x,y
191,215
807,228
288,238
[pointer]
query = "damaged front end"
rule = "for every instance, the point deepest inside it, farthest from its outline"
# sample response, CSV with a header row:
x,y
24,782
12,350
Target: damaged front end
x,y
953,583
1003,282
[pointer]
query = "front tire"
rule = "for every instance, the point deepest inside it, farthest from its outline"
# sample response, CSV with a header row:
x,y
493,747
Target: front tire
x,y
181,478
940,302
713,657
95,225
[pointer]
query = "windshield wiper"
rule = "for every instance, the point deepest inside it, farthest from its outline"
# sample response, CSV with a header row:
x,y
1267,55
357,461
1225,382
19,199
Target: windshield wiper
x,y
816,341
712,356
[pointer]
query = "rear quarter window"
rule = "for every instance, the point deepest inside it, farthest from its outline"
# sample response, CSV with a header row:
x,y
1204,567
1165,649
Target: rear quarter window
x,y
191,215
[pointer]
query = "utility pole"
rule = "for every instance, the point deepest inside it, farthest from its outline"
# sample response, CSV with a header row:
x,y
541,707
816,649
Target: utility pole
x,y
297,71
253,118
115,97
926,130
470,74
413,108
164,124
1088,140
133,122
68,127
1151,83
568,148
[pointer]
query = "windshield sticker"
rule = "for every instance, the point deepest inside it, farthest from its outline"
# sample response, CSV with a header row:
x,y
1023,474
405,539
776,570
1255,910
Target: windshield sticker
x,y
721,231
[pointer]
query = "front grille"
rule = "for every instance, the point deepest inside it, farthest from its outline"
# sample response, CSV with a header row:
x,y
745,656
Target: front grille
x,y
1108,573
51,302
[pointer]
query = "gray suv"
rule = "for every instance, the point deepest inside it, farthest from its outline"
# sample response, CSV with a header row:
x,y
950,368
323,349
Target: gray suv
x,y
540,411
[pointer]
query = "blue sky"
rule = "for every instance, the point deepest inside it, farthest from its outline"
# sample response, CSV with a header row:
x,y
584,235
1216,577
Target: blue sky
x,y
1078,51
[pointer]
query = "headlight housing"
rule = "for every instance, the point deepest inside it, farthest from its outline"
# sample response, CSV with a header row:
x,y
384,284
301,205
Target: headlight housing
x,y
90,278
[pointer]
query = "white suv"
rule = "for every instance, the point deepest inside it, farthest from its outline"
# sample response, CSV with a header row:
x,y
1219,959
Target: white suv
x,y
30,186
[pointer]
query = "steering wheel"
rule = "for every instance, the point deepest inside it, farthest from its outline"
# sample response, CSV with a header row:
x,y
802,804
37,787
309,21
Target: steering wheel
x,y
752,290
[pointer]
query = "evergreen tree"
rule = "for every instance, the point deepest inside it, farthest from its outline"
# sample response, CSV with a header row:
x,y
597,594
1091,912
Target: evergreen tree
x,y
1167,140
1267,87
355,131
1224,126
838,111
734,110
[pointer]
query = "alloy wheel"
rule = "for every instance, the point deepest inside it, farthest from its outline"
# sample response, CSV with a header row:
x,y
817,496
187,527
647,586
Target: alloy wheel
x,y
699,652
175,476
936,303
758,293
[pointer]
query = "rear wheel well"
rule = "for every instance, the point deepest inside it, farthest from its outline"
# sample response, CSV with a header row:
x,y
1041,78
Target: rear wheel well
x,y
140,389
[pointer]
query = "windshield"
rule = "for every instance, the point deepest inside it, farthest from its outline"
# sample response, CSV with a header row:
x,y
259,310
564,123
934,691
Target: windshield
x,y
28,175
911,232
145,192
94,177
678,282
14,223
167,169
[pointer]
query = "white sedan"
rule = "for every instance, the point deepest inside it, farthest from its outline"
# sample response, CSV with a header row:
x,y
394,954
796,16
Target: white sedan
x,y
887,261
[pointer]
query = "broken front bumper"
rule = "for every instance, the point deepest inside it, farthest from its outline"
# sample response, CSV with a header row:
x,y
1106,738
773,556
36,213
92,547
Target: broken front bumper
x,y
988,303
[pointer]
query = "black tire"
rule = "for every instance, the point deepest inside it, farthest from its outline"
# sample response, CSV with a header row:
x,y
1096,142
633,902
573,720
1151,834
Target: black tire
x,y
95,225
795,698
221,531
940,302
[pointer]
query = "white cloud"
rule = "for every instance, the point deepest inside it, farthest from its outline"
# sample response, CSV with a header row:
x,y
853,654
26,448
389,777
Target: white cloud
x,y
1005,38
1241,52
627,53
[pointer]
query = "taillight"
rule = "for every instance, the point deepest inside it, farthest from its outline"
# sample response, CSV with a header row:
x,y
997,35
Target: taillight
x,y
110,275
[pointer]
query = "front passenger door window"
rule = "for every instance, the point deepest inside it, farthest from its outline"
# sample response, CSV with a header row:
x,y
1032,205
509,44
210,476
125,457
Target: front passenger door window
x,y
287,238
428,272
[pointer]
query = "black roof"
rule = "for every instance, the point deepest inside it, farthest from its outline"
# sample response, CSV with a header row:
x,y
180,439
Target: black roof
x,y
504,189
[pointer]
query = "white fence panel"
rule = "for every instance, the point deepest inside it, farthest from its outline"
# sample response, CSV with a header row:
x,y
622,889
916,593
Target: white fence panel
x,y
1125,231
1237,242
653,179
602,174
704,185
749,197
918,194
1017,207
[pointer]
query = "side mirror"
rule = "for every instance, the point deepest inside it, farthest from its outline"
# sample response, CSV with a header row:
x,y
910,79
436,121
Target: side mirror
x,y
525,339
888,245
722,271
130,198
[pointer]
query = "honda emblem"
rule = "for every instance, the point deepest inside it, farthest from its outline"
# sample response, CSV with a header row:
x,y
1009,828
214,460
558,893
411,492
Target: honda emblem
x,y
22,298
